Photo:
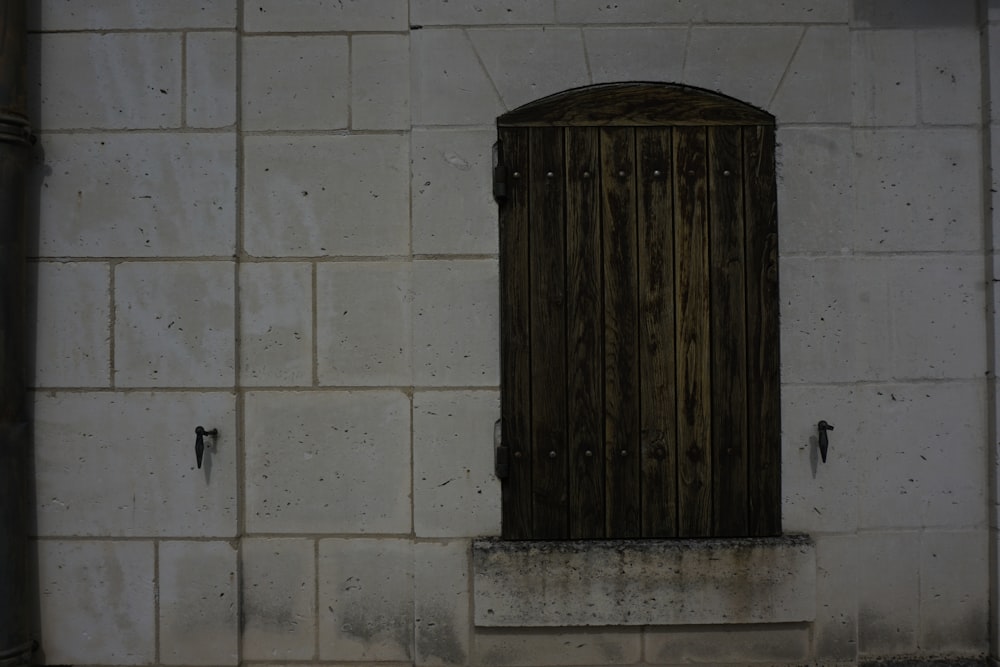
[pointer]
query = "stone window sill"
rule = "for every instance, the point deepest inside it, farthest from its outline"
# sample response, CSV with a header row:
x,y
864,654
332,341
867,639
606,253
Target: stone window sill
x,y
644,582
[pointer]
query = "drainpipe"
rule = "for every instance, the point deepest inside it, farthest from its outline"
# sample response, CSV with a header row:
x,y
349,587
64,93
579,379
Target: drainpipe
x,y
16,594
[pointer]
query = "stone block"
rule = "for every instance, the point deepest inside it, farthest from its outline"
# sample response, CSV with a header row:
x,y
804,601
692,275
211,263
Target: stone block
x,y
991,33
883,69
328,462
948,64
629,11
818,496
199,603
456,323
813,91
918,190
174,324
366,599
453,207
441,603
507,647
380,82
51,15
636,54
722,644
83,442
455,492
279,599
920,453
211,79
448,83
135,195
779,11
644,582
835,631
295,83
526,64
888,593
954,603
276,331
324,16
106,81
442,12
815,190
73,325
745,62
97,602
914,13
363,323
327,195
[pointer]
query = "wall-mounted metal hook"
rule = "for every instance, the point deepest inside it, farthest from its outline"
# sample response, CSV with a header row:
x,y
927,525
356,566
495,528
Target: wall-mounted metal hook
x,y
824,441
199,441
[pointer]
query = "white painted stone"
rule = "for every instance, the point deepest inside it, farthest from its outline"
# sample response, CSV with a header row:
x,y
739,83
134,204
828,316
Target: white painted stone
x,y
295,83
363,323
948,64
883,69
954,603
814,90
448,83
636,54
455,492
279,599
509,647
644,582
211,79
818,496
526,64
716,645
453,207
815,190
918,190
130,14
629,11
96,602
325,16
174,324
328,462
366,599
73,325
835,631
123,465
456,323
276,333
380,82
107,81
778,11
441,603
744,62
327,195
442,12
199,603
888,593
137,195
920,454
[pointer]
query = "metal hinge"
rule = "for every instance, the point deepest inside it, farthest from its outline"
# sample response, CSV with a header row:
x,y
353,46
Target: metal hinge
x,y
499,175
501,466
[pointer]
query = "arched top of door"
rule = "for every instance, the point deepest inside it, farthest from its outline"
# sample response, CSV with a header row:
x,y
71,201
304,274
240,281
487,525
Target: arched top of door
x,y
635,104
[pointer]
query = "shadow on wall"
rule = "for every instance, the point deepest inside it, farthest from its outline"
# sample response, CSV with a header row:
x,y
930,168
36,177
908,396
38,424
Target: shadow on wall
x,y
917,13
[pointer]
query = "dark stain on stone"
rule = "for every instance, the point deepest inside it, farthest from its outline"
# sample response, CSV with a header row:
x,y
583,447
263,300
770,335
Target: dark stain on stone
x,y
436,636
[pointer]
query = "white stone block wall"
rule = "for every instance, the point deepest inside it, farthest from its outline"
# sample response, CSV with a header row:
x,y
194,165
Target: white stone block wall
x,y
274,218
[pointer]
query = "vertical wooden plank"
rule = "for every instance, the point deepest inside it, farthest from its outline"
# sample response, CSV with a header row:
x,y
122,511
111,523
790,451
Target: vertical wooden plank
x,y
728,316
657,397
584,344
621,391
764,419
515,386
547,234
692,340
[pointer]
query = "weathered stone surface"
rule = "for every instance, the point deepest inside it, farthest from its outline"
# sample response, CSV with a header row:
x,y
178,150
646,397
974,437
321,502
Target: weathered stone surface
x,y
730,643
648,582
888,593
629,11
325,16
954,604
948,64
443,12
449,85
441,603
519,647
836,627
276,333
210,79
883,66
380,82
636,54
812,91
130,14
279,592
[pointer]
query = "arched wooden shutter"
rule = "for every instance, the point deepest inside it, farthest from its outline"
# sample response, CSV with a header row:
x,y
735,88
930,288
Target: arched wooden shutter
x,y
639,314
